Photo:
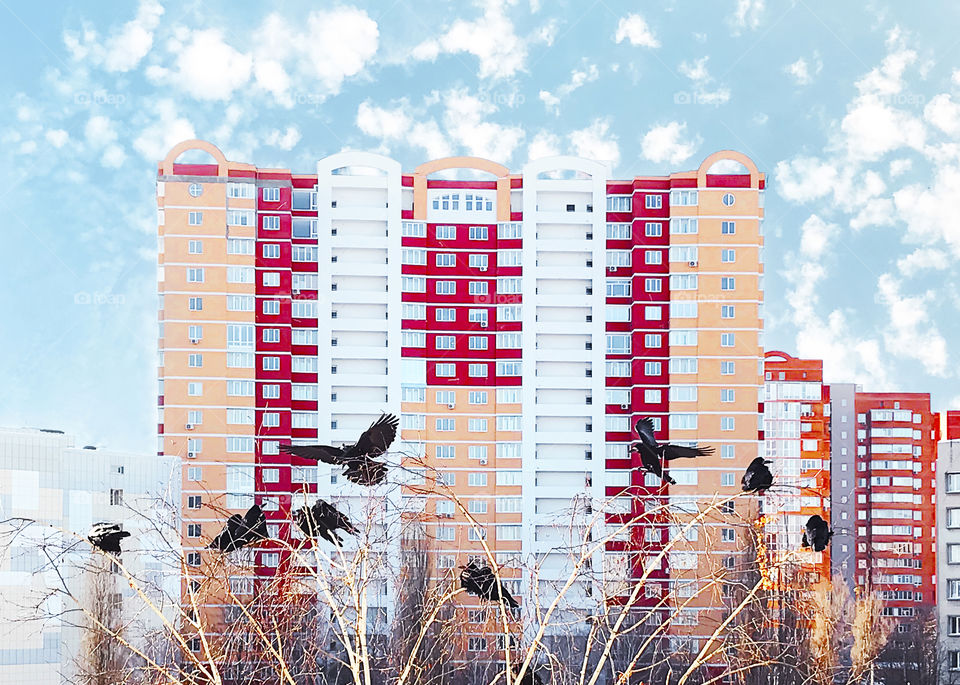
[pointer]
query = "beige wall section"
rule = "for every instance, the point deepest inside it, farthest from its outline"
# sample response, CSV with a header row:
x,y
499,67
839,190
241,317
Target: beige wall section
x,y
501,173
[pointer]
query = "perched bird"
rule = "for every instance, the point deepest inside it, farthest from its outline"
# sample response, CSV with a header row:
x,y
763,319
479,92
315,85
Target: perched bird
x,y
481,581
531,676
816,534
241,531
653,453
323,519
758,477
358,466
107,536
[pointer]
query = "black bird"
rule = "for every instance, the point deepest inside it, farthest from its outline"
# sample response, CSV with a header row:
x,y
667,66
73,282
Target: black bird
x,y
241,531
107,536
358,466
758,477
652,454
323,519
481,581
816,534
531,676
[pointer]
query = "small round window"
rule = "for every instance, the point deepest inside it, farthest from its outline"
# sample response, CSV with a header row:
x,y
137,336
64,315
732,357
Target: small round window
x,y
728,199
195,190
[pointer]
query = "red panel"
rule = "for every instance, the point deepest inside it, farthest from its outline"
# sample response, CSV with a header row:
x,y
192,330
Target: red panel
x,y
195,170
242,173
476,185
728,180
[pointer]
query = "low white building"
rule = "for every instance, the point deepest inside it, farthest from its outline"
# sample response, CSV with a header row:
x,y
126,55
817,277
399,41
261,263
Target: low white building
x,y
51,492
948,556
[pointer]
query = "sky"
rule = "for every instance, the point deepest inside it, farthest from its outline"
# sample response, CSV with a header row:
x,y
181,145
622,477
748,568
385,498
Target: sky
x,y
847,107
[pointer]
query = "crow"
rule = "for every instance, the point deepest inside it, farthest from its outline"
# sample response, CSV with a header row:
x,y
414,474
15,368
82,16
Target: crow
x,y
531,676
323,519
107,536
757,477
481,581
241,531
356,460
816,534
653,453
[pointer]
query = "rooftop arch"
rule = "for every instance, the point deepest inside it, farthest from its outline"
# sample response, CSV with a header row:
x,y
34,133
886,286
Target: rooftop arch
x,y
730,155
167,164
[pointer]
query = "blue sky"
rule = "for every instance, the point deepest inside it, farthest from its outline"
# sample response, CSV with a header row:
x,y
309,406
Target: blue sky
x,y
848,107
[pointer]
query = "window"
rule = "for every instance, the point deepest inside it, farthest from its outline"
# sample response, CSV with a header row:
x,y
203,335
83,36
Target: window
x,y
653,229
727,368
683,198
478,288
728,199
195,218
652,368
727,339
476,644
445,370
727,451
618,343
509,230
271,335
195,190
652,312
116,497
195,247
728,535
271,307
195,304
684,282
683,337
414,229
728,255
508,477
240,303
271,251
195,275
477,397
619,232
195,389
477,370
446,425
271,279
728,227
446,232
271,223
683,309
953,483
683,226
619,203
619,258
477,452
727,423
271,363
728,283
727,311
240,217
477,425
242,246
193,559
413,284
446,342
477,479
477,342
652,285
653,201
478,232
446,259
727,395
244,191
412,310
651,397
446,451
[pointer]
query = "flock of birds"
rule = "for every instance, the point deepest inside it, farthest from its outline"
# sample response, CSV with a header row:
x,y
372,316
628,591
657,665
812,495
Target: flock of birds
x,y
361,466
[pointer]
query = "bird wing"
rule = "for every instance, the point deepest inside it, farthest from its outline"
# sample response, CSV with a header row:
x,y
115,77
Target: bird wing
x,y
254,524
379,436
644,428
680,452
507,597
363,471
328,454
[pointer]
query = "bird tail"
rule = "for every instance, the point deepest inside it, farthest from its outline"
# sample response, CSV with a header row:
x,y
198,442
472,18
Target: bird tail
x,y
668,479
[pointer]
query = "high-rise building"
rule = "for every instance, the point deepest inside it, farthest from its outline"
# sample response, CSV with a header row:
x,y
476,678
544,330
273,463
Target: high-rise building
x,y
518,323
948,552
796,434
843,474
63,490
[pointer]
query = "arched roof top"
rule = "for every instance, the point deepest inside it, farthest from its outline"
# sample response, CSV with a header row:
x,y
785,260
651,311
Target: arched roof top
x,y
480,163
728,154
774,354
195,144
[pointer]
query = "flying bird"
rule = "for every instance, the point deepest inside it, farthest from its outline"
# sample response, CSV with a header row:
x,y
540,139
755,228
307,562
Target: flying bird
x,y
652,454
816,534
481,581
107,536
241,531
358,465
758,476
323,519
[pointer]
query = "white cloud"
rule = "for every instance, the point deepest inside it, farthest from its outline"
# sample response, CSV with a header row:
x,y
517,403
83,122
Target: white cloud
x,y
113,156
285,140
125,49
634,28
544,144
100,131
697,72
921,260
397,126
273,78
815,236
872,128
465,124
336,45
899,167
491,38
910,333
57,137
804,179
166,130
595,142
929,209
943,113
803,72
747,13
887,78
578,77
210,69
668,143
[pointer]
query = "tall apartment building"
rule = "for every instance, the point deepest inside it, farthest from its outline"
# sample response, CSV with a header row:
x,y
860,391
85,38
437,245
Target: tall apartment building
x,y
519,324
948,557
894,485
843,474
46,478
796,433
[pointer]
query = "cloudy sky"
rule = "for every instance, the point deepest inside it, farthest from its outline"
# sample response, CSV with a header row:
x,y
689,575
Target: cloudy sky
x,y
848,107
